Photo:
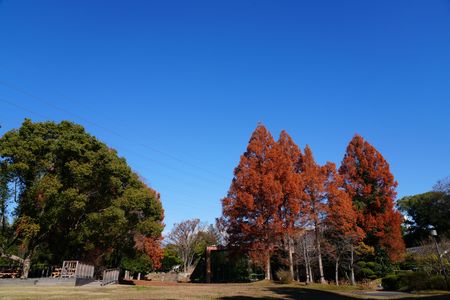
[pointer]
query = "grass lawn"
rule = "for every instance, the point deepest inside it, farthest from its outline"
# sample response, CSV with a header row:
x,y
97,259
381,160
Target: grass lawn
x,y
260,290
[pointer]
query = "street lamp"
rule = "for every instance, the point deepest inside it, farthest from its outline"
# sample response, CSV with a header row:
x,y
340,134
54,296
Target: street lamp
x,y
444,271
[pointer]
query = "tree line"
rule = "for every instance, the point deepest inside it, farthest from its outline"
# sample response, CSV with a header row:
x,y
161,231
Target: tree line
x,y
282,201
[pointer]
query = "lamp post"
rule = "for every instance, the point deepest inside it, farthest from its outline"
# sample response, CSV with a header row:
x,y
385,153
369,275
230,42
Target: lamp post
x,y
444,271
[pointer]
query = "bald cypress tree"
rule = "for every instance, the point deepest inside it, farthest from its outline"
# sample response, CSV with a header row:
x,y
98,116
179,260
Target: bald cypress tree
x,y
371,186
250,210
287,173
315,179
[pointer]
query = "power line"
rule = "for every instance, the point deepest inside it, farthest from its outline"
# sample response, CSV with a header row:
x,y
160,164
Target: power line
x,y
42,100
186,202
123,148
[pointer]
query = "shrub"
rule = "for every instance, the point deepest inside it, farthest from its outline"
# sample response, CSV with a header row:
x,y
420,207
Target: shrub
x,y
284,276
391,282
368,273
412,281
436,282
371,270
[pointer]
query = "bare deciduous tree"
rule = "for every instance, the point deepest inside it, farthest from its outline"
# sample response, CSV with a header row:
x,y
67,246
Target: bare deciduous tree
x,y
443,186
184,236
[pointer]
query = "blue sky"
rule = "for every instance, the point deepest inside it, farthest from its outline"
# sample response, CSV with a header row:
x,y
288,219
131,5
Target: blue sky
x,y
177,87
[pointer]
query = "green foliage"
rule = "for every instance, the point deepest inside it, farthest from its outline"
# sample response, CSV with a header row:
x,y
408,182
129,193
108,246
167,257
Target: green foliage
x,y
141,264
412,281
227,267
204,239
391,282
425,210
284,276
409,263
426,260
170,259
370,270
76,199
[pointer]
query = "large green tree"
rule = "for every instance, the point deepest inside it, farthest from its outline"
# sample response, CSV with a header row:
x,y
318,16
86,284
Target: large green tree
x,y
76,199
424,211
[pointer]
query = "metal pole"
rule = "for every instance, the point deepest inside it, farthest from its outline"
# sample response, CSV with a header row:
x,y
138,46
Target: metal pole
x,y
441,262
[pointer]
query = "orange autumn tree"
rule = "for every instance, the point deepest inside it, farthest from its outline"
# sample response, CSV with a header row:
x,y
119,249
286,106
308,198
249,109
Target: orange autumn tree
x,y
314,179
250,210
342,231
146,238
287,173
371,186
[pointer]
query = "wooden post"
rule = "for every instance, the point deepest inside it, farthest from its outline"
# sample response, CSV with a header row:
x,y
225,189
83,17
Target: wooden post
x,y
208,262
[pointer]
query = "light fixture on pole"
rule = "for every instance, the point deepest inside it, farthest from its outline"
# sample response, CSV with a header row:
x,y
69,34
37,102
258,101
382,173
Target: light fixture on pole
x,y
433,233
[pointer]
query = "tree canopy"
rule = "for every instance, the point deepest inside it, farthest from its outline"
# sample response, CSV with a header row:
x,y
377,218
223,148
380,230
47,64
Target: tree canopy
x,y
371,185
280,197
425,211
75,198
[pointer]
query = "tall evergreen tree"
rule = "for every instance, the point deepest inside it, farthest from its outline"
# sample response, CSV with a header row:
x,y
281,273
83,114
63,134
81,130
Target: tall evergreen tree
x,y
371,185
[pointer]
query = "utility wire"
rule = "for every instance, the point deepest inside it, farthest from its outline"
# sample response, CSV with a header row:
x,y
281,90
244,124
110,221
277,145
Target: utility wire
x,y
44,101
185,202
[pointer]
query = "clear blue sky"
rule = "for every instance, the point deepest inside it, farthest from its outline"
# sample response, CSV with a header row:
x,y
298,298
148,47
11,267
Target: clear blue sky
x,y
192,79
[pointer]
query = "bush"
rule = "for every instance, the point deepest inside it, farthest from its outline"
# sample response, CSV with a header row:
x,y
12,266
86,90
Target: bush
x,y
391,282
370,270
412,281
284,276
436,282
368,273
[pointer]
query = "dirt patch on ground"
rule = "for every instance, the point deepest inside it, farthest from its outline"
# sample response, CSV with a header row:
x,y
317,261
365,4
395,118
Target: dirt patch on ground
x,y
157,283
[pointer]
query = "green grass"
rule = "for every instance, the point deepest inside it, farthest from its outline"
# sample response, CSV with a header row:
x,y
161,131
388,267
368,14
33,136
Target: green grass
x,y
244,291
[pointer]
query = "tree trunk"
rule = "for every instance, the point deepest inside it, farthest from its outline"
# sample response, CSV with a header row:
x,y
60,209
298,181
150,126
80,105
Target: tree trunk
x,y
319,255
291,260
337,271
12,257
268,271
26,266
352,271
307,267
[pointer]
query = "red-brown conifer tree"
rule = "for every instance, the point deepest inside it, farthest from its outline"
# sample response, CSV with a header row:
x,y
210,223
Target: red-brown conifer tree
x,y
287,173
250,210
371,185
314,179
342,230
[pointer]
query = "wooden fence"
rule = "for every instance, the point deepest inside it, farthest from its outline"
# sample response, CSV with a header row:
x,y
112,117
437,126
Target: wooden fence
x,y
76,269
110,276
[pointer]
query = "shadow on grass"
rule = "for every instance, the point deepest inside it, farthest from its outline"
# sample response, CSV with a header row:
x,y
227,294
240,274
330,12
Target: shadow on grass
x,y
309,294
294,293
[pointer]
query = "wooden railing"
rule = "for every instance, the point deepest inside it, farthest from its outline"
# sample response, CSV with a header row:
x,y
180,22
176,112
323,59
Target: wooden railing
x,y
76,269
110,276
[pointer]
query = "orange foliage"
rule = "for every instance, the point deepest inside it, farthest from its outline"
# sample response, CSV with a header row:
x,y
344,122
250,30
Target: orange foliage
x,y
250,211
151,247
314,179
341,218
287,174
371,186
